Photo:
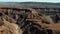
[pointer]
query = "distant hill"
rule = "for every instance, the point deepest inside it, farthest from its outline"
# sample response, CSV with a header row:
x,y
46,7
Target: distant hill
x,y
34,4
40,4
43,3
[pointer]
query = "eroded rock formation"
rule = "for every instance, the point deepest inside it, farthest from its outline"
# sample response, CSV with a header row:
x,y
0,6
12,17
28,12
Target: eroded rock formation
x,y
25,21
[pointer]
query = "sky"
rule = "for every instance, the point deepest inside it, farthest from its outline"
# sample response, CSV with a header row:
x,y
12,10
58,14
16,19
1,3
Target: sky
x,y
54,1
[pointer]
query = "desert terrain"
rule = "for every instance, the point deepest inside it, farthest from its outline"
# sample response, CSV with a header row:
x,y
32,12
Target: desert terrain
x,y
30,18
